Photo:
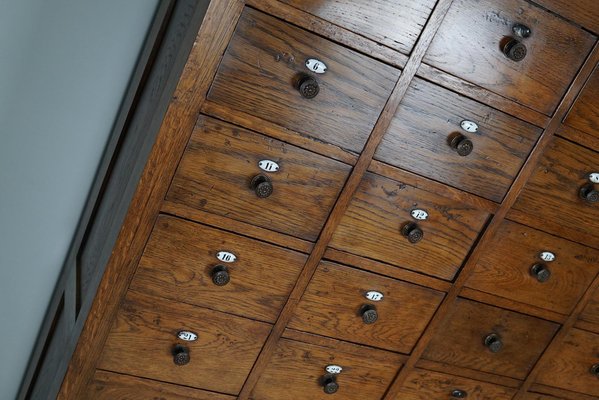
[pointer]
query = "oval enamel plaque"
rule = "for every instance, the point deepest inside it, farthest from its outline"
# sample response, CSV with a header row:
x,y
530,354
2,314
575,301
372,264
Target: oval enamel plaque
x,y
420,215
373,295
188,336
469,126
547,256
594,177
268,166
226,256
333,369
316,66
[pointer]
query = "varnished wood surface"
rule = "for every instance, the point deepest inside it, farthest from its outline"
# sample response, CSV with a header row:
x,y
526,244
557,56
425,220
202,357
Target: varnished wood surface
x,y
220,162
588,140
487,377
460,340
429,116
590,315
332,302
394,23
372,225
551,202
427,385
583,12
468,45
504,268
536,396
584,115
571,370
295,369
110,386
261,67
145,332
561,394
178,261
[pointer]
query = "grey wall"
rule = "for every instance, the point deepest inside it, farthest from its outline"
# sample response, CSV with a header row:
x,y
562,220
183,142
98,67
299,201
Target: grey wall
x,y
64,67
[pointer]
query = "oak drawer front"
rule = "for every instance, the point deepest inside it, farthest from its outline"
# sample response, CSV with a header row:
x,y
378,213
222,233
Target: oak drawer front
x,y
346,303
144,342
380,214
473,37
552,199
590,313
535,396
181,263
264,64
220,173
297,372
584,115
426,137
110,386
517,264
428,385
490,339
576,368
394,23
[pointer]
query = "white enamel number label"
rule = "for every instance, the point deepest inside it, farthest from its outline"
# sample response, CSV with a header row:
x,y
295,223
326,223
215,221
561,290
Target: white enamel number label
x,y
268,166
316,66
419,214
594,177
226,256
373,295
333,369
547,256
469,126
188,336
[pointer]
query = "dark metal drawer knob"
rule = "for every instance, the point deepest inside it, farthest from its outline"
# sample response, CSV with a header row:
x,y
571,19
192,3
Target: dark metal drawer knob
x,y
369,314
514,50
308,87
595,370
462,145
541,272
262,185
220,275
412,231
180,355
329,383
459,394
493,342
589,194
521,31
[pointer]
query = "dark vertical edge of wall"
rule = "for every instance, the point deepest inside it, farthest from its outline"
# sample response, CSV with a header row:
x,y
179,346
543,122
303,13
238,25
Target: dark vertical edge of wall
x,y
161,61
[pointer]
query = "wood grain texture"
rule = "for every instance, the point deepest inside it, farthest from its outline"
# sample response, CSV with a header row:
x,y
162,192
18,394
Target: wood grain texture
x,y
214,34
588,140
178,261
536,396
429,116
110,386
395,23
262,65
372,225
583,12
332,302
220,161
467,373
427,385
504,268
460,341
590,314
468,45
584,115
295,369
145,332
550,201
571,370
560,393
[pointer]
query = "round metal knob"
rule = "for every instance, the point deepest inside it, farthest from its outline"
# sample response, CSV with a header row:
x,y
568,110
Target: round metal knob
x,y
462,145
181,355
262,185
493,342
589,194
521,30
514,50
459,394
413,232
220,275
369,314
541,272
595,370
308,87
329,384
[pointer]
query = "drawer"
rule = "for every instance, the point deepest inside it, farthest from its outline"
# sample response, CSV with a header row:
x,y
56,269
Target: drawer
x,y
144,342
338,303
471,42
551,200
396,24
577,366
221,162
428,385
109,386
265,64
484,162
514,341
536,396
382,208
584,114
583,12
180,263
590,314
297,372
514,266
